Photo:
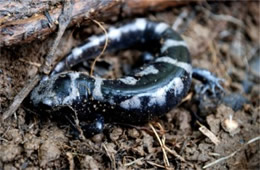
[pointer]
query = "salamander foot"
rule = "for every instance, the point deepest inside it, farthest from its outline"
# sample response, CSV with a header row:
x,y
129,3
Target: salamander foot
x,y
95,127
210,81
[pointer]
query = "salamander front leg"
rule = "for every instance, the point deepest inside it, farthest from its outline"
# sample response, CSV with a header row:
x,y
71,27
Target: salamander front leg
x,y
94,127
210,81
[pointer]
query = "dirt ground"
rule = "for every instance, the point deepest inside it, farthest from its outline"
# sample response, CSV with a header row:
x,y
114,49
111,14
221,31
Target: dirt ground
x,y
202,132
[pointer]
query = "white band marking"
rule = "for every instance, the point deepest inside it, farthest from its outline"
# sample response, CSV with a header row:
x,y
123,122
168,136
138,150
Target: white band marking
x,y
157,97
172,43
148,70
59,67
166,59
74,89
129,80
97,93
132,103
160,28
76,52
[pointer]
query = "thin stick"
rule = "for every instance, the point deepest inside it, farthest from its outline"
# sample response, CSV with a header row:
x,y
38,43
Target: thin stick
x,y
174,153
65,19
208,133
165,158
155,164
30,62
103,50
133,162
18,99
71,161
223,17
110,156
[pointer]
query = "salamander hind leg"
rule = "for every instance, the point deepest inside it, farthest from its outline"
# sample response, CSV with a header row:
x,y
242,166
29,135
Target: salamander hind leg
x,y
210,81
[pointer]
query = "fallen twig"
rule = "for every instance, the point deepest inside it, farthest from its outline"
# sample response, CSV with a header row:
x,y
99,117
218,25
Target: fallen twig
x,y
155,164
64,21
174,153
29,62
21,96
165,158
111,157
46,68
18,26
71,161
223,17
209,134
133,162
23,27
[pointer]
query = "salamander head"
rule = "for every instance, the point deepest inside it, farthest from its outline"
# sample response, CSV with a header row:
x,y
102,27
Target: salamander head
x,y
59,90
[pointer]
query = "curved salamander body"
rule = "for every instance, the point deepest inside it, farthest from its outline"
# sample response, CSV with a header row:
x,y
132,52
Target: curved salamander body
x,y
150,92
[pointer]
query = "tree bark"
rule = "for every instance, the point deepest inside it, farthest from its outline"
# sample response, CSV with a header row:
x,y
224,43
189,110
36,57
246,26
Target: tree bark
x,y
24,21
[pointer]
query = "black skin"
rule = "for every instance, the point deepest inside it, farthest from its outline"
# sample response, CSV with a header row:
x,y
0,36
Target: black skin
x,y
147,40
210,83
95,123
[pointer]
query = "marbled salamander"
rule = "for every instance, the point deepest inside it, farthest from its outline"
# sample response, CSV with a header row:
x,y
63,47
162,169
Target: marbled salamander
x,y
151,92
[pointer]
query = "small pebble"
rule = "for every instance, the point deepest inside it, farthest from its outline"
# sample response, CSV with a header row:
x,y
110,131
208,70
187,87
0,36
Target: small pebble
x,y
98,138
48,151
9,152
89,163
115,134
230,125
133,133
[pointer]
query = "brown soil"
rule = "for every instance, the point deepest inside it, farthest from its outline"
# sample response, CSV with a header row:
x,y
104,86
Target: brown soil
x,y
222,37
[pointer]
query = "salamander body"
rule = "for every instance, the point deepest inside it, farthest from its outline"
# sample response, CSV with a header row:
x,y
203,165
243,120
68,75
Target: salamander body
x,y
150,92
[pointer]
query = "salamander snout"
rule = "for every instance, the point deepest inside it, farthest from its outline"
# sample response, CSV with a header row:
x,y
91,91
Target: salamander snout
x,y
59,90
